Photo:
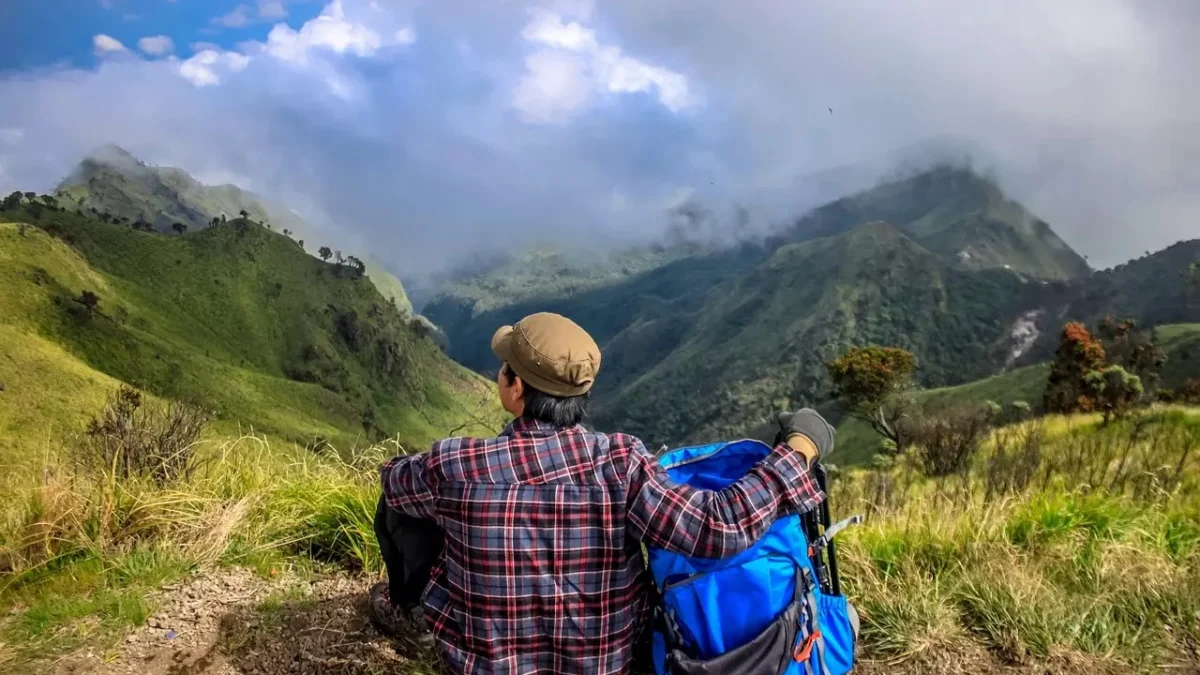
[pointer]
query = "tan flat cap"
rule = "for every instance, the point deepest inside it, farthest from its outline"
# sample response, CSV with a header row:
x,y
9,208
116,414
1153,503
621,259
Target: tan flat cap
x,y
550,352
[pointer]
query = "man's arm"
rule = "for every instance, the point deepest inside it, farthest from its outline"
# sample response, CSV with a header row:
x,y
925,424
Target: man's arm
x,y
716,524
409,485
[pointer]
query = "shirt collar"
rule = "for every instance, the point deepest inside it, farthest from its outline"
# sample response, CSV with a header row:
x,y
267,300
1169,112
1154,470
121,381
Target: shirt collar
x,y
526,426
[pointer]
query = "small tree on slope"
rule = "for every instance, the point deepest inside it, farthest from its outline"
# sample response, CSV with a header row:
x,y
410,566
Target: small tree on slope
x,y
872,384
1078,353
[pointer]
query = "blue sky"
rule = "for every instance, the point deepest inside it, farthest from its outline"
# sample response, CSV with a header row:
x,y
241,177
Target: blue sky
x,y
429,130
39,33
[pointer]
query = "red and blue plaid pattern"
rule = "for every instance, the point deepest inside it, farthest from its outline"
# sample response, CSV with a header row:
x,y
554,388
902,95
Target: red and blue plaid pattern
x,y
542,570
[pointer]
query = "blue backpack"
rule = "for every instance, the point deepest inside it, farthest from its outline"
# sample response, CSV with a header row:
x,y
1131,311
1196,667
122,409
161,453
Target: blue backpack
x,y
774,609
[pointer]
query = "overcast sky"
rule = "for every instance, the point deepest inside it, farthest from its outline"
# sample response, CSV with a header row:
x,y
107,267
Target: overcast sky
x,y
428,128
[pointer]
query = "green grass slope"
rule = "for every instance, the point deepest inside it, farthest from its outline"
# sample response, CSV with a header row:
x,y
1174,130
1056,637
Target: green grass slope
x,y
1181,342
114,181
234,317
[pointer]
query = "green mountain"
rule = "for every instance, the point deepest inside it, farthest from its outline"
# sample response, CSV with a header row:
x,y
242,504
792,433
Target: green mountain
x,y
1156,289
960,216
706,344
234,317
963,218
115,182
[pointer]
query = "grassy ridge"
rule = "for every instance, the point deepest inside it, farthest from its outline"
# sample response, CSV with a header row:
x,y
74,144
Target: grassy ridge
x,y
114,181
235,317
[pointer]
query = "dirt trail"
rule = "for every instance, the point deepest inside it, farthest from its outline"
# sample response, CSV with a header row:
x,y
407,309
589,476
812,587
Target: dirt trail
x,y
232,622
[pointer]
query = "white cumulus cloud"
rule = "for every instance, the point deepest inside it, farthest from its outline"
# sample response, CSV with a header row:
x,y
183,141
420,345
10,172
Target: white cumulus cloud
x,y
329,31
1092,123
623,74
548,29
106,44
306,51
205,68
572,62
555,85
156,45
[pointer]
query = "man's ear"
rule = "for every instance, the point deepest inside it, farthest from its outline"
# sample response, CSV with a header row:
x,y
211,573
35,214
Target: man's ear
x,y
518,386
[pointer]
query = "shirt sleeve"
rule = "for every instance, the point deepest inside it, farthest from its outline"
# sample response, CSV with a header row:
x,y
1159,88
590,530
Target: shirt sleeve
x,y
409,486
715,523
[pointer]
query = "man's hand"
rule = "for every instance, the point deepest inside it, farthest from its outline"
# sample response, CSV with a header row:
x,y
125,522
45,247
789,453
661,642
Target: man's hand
x,y
806,424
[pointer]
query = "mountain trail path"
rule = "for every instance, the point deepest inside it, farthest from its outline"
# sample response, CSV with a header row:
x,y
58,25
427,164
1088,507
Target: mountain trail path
x,y
232,621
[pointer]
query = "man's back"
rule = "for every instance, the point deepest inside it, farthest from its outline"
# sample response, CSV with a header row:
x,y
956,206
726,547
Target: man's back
x,y
542,570
538,574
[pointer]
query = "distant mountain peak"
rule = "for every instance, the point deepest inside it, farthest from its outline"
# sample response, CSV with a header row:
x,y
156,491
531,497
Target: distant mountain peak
x,y
112,152
111,179
950,208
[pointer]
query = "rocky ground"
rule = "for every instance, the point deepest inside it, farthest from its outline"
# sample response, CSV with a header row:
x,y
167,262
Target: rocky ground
x,y
233,622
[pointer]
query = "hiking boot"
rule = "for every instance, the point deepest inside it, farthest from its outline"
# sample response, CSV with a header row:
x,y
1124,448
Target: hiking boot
x,y
406,624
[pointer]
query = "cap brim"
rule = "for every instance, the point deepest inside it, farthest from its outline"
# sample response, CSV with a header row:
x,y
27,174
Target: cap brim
x,y
502,343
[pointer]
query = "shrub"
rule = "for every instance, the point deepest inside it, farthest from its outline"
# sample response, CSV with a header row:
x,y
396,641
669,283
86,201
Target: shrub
x,y
131,439
1116,391
90,301
946,441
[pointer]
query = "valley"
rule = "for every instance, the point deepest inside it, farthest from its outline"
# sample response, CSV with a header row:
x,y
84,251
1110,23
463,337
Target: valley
x,y
706,341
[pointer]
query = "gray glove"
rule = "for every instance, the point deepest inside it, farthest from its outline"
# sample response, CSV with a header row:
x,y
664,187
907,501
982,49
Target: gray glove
x,y
807,422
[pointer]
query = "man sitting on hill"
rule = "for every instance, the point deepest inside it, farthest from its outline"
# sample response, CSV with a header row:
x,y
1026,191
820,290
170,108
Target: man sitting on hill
x,y
526,548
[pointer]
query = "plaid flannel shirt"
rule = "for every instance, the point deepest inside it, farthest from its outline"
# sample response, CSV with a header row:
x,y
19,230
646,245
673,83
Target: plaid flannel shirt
x,y
542,570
